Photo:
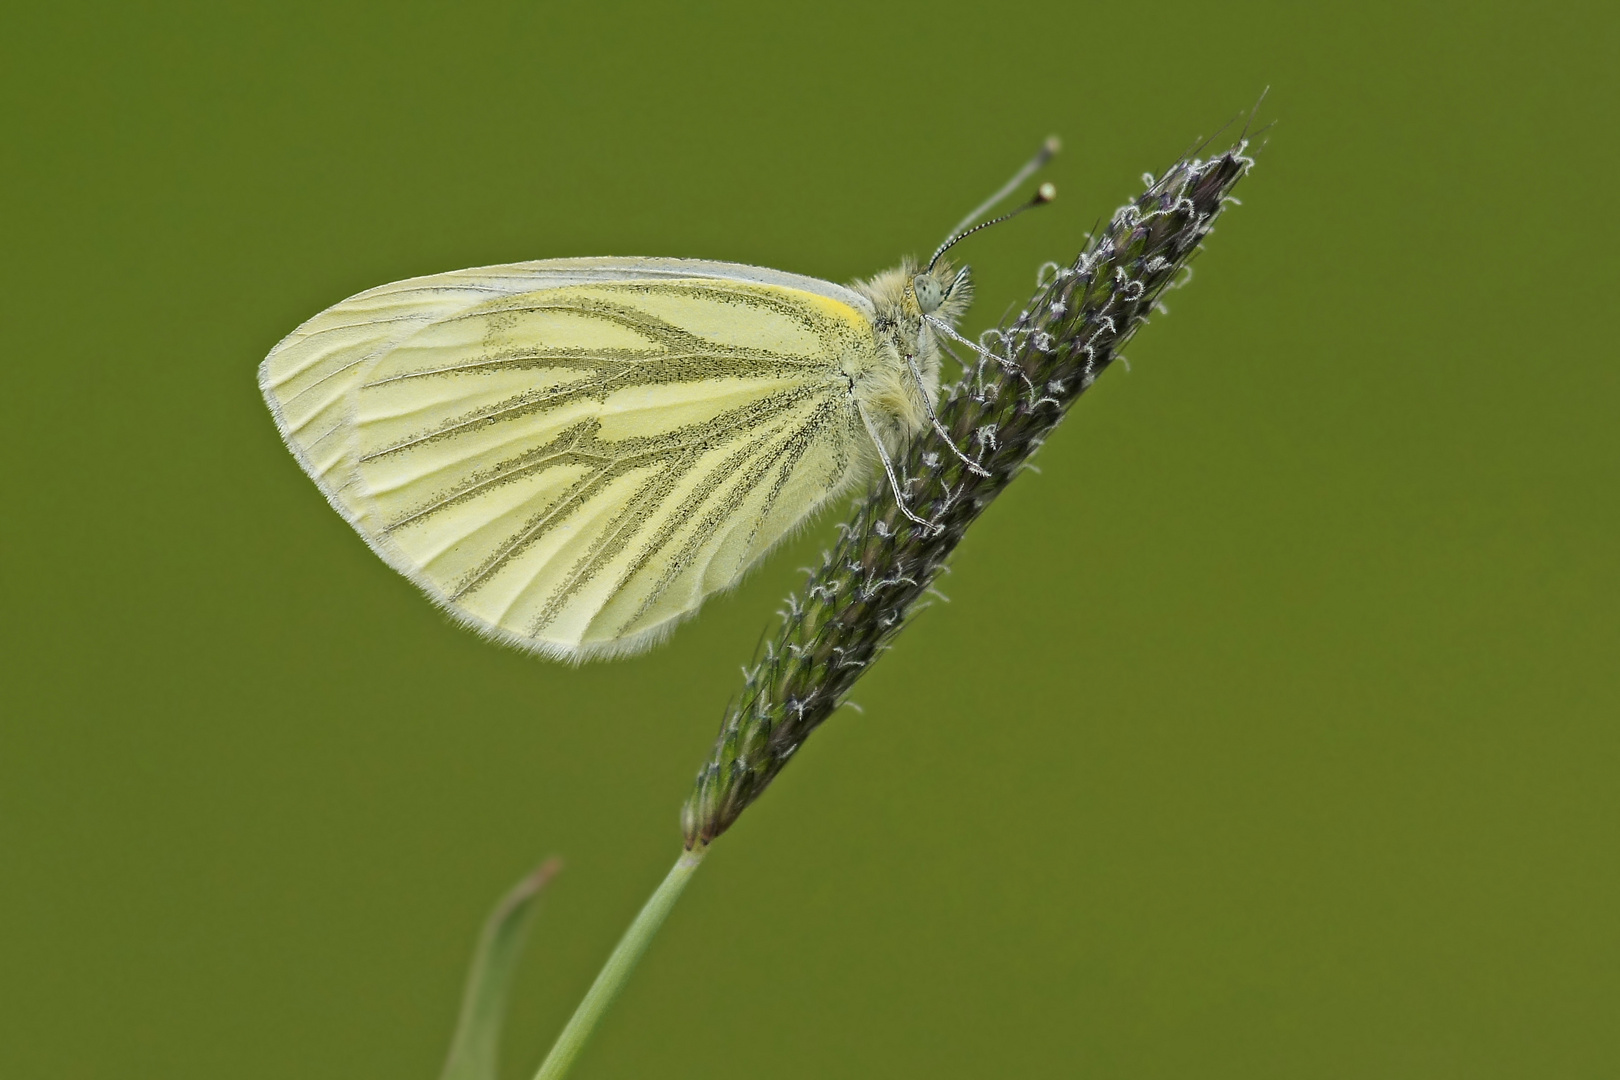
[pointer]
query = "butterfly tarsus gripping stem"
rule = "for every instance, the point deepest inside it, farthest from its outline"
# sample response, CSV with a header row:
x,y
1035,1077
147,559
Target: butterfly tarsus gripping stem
x,y
933,418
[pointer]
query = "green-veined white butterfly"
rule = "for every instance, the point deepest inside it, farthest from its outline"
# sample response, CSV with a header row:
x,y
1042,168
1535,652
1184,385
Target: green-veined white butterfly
x,y
570,455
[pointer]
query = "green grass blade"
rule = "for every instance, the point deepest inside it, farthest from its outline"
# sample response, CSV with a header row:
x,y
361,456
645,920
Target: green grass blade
x,y
475,1049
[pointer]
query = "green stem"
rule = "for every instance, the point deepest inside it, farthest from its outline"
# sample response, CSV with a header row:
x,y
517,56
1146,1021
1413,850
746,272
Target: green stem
x,y
611,979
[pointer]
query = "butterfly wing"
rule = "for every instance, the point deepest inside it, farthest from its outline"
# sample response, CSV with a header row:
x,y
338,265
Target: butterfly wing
x,y
571,455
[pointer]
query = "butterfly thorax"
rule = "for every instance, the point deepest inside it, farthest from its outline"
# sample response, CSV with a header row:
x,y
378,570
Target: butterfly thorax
x,y
906,364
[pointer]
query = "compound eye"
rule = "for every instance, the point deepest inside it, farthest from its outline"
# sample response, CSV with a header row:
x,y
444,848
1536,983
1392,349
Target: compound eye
x,y
930,293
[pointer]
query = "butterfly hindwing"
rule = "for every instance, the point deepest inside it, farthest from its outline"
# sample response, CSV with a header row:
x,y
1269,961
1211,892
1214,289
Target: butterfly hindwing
x,y
573,467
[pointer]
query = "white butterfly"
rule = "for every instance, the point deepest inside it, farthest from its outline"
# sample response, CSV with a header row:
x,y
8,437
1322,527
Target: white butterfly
x,y
571,455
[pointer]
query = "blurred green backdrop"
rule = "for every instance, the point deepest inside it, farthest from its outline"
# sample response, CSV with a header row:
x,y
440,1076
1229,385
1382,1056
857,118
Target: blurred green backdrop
x,y
1272,730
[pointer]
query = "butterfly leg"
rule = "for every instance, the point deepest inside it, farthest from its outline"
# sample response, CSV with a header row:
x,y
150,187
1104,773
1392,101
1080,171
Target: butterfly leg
x,y
888,467
933,418
1001,361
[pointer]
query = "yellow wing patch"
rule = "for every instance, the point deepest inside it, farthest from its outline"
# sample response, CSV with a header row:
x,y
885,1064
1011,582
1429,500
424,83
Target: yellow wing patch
x,y
573,468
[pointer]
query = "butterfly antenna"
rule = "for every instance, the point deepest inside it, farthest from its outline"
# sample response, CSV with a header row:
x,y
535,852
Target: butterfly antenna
x,y
1043,194
1047,151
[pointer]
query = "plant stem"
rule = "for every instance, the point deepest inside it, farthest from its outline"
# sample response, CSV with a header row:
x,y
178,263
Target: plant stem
x,y
611,979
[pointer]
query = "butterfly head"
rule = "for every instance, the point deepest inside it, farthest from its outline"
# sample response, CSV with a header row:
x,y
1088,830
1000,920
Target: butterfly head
x,y
941,292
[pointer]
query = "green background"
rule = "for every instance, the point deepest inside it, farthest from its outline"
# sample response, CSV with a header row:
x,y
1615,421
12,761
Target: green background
x,y
1272,730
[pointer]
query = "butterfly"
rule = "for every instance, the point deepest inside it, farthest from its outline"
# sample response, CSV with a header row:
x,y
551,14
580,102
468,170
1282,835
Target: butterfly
x,y
571,455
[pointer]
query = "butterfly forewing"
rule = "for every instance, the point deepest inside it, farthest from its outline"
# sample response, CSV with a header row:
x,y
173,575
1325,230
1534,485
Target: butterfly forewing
x,y
575,466
308,379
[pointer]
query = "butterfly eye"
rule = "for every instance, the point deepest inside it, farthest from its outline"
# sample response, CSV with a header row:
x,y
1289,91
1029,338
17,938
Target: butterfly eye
x,y
930,293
